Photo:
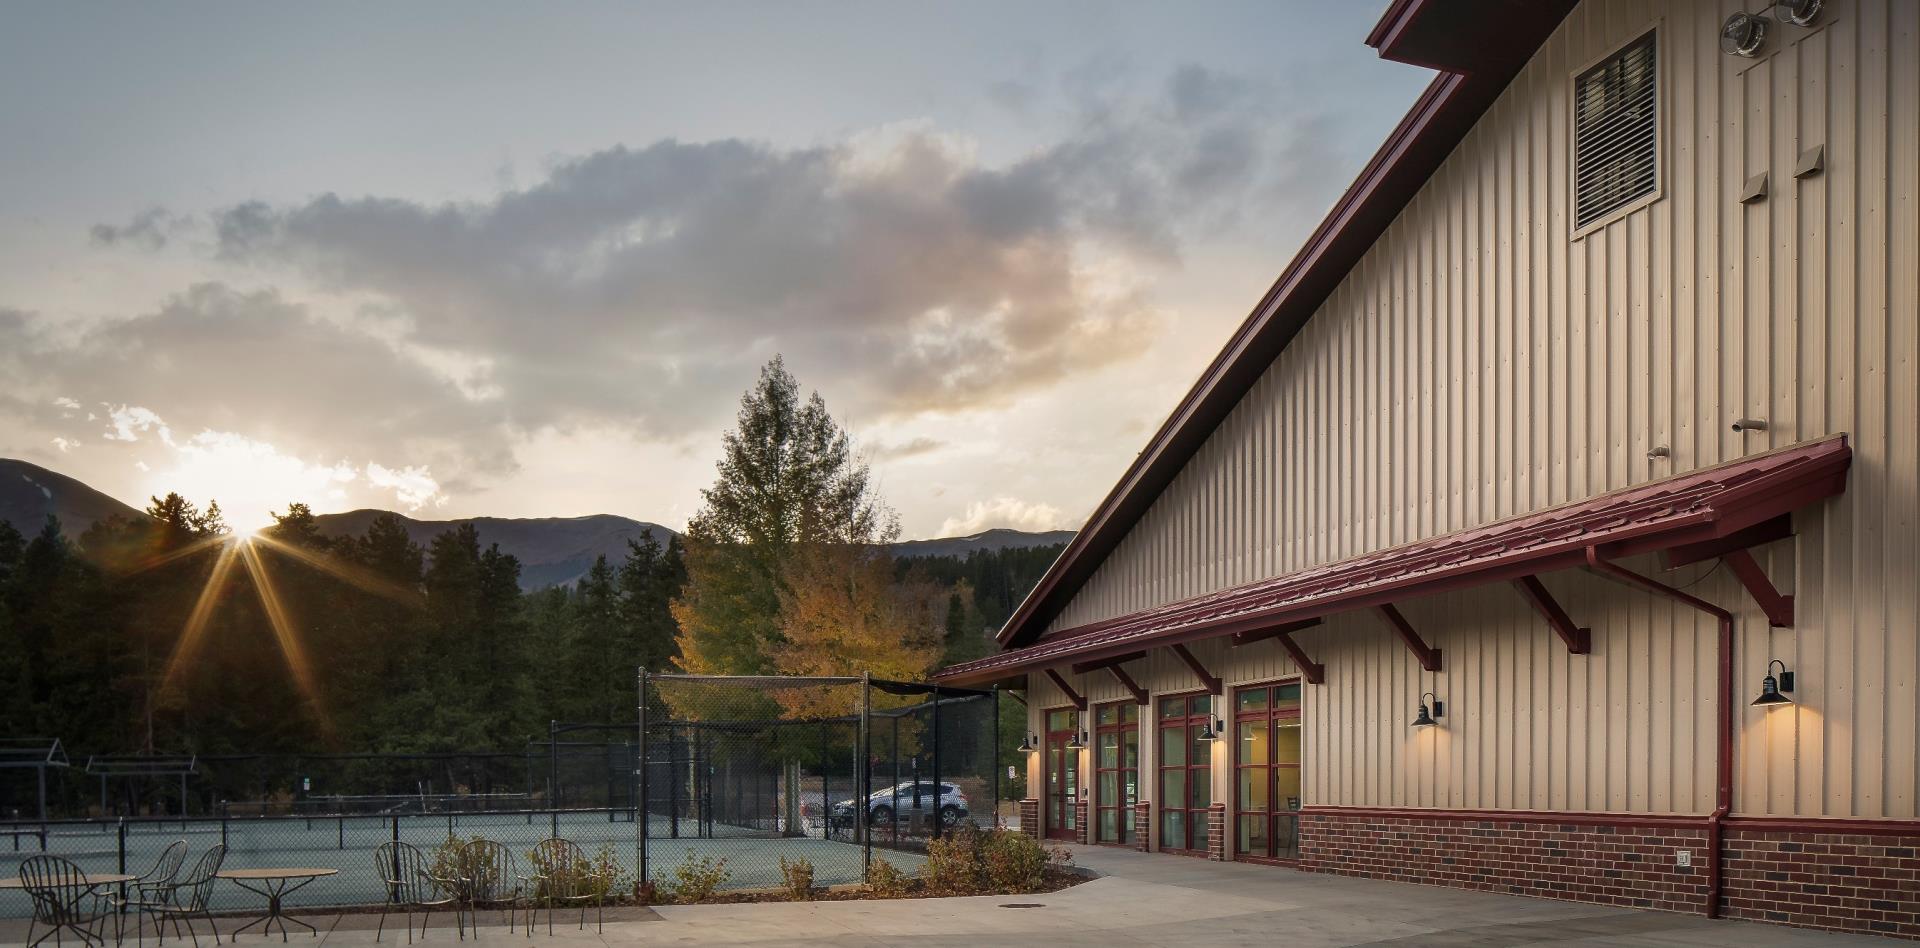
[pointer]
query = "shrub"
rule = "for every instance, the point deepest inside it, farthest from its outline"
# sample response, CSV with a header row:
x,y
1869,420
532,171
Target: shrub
x,y
696,878
797,878
885,880
1015,862
954,864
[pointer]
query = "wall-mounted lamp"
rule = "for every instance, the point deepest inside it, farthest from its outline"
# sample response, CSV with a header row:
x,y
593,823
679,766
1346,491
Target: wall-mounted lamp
x,y
1773,690
1029,745
1213,730
1077,741
1423,719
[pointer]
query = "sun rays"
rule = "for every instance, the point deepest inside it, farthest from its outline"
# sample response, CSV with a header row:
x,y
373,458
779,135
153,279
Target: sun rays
x,y
245,550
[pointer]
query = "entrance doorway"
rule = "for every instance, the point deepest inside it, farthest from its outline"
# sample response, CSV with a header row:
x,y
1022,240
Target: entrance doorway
x,y
1063,773
1266,771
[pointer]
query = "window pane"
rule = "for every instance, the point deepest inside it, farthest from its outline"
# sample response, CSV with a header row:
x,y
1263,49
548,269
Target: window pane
x,y
1173,829
1251,699
1198,751
1286,745
1286,836
1109,788
1253,789
1173,787
1202,704
1250,745
1132,779
1109,750
1286,697
1202,788
1130,744
1124,821
1059,720
1253,835
1286,788
1129,713
1109,827
1173,746
1173,707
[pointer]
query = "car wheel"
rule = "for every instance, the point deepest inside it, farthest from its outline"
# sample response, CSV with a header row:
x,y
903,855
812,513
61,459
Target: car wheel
x,y
949,815
882,814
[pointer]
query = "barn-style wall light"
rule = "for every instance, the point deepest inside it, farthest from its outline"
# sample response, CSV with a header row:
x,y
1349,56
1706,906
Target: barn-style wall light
x,y
1213,730
1029,744
1077,741
1424,719
1773,690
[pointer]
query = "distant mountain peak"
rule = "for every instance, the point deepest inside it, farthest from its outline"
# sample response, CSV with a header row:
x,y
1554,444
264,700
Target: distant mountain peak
x,y
29,492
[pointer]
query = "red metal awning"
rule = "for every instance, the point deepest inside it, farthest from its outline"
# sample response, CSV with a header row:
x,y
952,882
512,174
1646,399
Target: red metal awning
x,y
1695,508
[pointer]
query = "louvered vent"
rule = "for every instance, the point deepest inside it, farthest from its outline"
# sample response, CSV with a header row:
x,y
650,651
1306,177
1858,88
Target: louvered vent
x,y
1614,133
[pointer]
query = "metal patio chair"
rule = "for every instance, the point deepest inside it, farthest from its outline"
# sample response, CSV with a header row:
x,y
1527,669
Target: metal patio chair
x,y
185,897
563,875
147,886
491,879
410,884
63,900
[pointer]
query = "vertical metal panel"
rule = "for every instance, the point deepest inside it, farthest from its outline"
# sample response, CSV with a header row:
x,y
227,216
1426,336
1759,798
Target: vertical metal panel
x,y
1481,362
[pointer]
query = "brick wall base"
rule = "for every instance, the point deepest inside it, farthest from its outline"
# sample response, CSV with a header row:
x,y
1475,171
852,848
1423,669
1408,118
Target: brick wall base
x,y
1030,817
1143,826
1081,831
1217,832
1833,881
1613,866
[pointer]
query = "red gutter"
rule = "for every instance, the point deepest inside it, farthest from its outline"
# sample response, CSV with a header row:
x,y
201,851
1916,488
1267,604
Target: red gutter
x,y
1723,797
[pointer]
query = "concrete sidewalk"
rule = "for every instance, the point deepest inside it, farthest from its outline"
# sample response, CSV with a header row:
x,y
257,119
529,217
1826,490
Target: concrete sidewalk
x,y
1140,899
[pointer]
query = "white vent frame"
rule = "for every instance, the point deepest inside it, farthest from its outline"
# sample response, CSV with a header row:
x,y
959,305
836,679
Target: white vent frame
x,y
1650,35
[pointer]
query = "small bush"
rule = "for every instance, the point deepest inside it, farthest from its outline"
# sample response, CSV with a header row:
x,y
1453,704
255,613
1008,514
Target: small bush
x,y
885,880
1016,862
695,879
954,863
797,879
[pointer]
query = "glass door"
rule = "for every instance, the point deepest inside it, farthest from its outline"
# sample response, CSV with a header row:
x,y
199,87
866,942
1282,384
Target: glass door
x,y
1186,772
1063,773
1116,768
1266,765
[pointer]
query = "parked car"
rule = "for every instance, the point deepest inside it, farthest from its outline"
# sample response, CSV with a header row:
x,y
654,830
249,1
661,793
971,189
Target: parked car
x,y
896,803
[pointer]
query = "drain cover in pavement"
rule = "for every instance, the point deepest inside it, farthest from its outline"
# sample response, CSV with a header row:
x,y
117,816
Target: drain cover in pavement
x,y
1023,905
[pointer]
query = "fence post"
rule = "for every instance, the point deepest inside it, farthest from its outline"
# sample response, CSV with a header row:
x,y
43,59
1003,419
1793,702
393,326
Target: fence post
x,y
866,777
826,797
123,845
226,810
995,756
936,763
343,833
641,818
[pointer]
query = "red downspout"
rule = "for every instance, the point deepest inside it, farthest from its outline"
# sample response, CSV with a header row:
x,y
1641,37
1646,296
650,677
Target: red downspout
x,y
1723,799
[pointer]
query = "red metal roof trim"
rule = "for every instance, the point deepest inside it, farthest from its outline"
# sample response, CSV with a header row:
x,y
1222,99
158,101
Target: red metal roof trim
x,y
1687,508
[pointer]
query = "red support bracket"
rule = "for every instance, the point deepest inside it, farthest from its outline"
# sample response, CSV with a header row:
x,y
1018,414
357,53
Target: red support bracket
x,y
1270,632
1207,679
1126,681
1428,655
1079,701
1314,672
1081,668
1779,608
1579,639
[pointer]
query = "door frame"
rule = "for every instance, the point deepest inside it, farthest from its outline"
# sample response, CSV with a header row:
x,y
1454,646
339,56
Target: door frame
x,y
1052,822
1160,768
1234,810
1123,811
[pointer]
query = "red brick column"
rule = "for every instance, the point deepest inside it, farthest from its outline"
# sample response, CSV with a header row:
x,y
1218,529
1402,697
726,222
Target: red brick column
x,y
1217,832
1834,881
1081,831
1030,817
1143,826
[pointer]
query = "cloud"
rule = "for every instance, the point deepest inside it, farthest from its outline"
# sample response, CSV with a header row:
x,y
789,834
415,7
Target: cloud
x,y
147,230
64,444
1007,512
66,403
412,486
911,448
129,423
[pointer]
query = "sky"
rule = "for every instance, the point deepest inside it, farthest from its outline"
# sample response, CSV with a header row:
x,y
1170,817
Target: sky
x,y
522,259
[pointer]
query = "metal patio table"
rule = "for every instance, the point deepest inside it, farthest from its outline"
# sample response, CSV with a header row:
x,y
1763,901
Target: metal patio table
x,y
275,884
94,879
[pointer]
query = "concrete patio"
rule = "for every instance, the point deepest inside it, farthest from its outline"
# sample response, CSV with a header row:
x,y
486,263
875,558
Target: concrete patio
x,y
1139,899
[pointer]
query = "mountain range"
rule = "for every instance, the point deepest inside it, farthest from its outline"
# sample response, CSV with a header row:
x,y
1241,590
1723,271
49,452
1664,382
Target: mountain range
x,y
551,550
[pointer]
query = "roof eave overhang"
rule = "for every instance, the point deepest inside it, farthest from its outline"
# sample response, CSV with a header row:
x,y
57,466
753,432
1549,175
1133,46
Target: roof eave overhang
x,y
1814,471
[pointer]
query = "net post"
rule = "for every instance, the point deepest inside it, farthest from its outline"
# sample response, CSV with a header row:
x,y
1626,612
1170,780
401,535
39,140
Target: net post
x,y
640,817
865,775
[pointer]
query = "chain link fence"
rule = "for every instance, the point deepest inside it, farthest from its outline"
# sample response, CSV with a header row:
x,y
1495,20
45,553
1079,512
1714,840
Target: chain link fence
x,y
738,773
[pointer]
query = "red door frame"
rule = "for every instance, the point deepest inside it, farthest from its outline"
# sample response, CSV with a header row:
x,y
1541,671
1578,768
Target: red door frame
x,y
1123,815
1188,724
1275,811
1057,808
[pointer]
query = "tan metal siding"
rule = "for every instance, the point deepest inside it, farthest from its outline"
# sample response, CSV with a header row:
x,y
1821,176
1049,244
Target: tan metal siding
x,y
1480,363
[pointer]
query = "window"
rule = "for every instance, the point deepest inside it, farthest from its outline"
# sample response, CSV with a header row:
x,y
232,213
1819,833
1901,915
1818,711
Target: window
x,y
1063,773
1116,766
1186,772
1266,771
1615,133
